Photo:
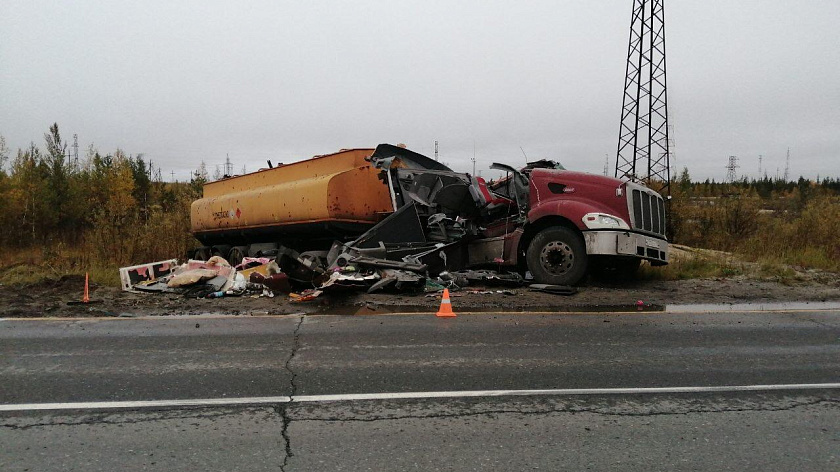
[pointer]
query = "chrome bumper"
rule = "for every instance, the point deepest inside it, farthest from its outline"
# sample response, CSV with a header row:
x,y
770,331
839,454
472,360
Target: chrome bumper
x,y
625,243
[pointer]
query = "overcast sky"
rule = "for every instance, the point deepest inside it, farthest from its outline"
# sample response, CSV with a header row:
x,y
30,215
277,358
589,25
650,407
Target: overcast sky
x,y
184,82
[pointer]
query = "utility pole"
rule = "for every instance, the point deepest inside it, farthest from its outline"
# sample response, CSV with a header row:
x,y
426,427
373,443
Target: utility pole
x,y
473,159
643,141
75,150
436,150
787,165
733,164
759,165
607,165
172,173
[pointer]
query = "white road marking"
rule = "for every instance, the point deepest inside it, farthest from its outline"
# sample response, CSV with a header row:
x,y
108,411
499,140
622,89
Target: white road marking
x,y
148,404
253,401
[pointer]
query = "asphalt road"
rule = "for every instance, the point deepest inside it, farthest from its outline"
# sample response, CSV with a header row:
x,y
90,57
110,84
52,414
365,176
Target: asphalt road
x,y
200,358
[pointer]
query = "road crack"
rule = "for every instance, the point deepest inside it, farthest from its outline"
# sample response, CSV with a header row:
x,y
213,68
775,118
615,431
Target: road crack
x,y
109,418
573,410
283,408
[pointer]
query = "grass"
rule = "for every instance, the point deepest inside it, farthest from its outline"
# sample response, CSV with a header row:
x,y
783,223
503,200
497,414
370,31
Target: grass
x,y
808,238
691,263
33,266
697,267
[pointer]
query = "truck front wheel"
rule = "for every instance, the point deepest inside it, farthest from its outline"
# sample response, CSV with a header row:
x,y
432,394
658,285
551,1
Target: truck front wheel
x,y
557,255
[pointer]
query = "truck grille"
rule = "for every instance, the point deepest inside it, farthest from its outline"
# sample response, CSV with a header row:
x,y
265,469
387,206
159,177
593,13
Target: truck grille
x,y
648,212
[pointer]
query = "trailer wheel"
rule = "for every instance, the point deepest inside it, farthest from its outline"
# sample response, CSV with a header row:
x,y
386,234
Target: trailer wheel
x,y
203,253
235,255
557,255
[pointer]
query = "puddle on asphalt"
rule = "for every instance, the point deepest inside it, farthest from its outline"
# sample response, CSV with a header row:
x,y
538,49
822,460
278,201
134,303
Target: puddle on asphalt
x,y
621,308
385,309
625,308
732,307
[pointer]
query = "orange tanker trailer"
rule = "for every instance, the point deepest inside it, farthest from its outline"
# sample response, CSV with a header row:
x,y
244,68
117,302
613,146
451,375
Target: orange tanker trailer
x,y
306,205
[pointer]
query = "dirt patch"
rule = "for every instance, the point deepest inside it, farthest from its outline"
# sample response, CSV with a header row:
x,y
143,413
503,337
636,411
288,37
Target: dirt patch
x,y
49,298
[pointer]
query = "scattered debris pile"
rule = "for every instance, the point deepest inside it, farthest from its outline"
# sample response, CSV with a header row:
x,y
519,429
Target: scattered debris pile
x,y
214,278
263,277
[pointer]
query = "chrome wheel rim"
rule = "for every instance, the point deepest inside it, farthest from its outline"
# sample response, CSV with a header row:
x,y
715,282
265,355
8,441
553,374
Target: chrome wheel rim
x,y
557,258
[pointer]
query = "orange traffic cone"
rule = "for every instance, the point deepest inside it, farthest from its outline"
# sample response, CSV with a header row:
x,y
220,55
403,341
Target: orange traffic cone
x,y
86,297
445,306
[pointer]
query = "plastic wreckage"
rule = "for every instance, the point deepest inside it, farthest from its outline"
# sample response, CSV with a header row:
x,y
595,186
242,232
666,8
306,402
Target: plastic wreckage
x,y
262,277
214,278
391,219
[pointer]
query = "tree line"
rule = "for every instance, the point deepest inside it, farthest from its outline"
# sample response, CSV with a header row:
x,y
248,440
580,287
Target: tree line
x,y
105,209
766,220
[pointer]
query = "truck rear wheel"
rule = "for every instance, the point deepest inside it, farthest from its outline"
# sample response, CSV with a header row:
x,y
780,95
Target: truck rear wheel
x,y
557,255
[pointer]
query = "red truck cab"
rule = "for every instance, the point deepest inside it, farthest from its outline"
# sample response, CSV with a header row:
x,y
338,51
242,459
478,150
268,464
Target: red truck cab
x,y
578,221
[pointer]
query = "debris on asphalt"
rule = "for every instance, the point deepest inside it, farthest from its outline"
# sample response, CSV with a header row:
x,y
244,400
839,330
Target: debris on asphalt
x,y
276,282
264,269
489,278
251,262
305,296
432,286
352,270
191,277
399,280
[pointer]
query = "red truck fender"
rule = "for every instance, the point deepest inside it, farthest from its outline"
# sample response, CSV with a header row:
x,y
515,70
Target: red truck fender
x,y
570,210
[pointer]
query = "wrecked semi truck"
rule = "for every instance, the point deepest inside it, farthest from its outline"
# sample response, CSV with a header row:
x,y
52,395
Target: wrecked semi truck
x,y
398,216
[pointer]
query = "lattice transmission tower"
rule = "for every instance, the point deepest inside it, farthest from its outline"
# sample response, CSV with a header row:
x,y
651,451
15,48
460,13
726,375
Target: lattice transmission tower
x,y
643,144
731,169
